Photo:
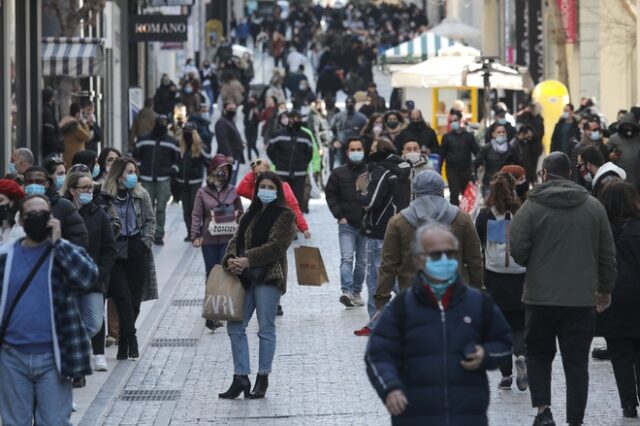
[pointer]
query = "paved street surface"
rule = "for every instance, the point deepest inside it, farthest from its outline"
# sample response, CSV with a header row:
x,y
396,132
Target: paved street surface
x,y
318,375
318,378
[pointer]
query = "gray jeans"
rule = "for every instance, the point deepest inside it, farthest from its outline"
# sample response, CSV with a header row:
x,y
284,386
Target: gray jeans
x,y
160,192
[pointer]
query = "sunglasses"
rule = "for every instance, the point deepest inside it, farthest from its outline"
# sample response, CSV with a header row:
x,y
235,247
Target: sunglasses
x,y
256,163
437,255
79,168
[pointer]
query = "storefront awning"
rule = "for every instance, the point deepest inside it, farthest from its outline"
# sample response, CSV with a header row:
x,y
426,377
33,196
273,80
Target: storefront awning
x,y
72,57
421,48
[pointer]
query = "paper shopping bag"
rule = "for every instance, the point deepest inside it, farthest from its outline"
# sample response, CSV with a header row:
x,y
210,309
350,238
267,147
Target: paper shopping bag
x,y
309,266
223,297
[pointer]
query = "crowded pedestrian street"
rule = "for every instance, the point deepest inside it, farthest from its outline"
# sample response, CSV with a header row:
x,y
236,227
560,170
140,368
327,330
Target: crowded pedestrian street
x,y
319,376
320,212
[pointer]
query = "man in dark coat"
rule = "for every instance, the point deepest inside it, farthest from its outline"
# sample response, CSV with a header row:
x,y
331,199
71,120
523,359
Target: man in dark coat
x,y
565,132
533,118
418,130
343,201
157,154
457,148
290,150
229,140
52,142
428,355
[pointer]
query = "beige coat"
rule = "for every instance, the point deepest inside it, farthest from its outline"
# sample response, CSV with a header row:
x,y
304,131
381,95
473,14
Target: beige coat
x,y
76,134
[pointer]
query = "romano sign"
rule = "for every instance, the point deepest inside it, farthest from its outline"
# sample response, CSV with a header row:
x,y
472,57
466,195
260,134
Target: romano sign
x,y
158,28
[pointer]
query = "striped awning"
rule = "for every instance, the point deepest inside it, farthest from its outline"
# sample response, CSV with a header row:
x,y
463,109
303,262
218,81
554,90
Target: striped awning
x,y
72,57
417,50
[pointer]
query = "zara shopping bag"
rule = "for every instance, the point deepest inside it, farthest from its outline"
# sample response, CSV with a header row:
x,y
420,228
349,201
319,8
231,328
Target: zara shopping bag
x,y
224,296
309,266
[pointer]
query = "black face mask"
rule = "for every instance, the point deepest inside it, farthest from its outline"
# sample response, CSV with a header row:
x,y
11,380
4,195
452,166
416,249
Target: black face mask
x,y
35,225
230,114
392,124
296,124
522,189
415,125
4,212
351,108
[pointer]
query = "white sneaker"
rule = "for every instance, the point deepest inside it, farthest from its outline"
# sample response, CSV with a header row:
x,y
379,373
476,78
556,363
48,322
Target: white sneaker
x,y
346,300
101,363
357,299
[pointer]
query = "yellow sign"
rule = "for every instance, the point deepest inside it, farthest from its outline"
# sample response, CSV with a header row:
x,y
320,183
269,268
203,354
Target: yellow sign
x,y
215,32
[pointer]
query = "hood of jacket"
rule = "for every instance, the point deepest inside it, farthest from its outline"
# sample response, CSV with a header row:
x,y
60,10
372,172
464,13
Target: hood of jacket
x,y
430,208
396,165
609,168
559,194
629,119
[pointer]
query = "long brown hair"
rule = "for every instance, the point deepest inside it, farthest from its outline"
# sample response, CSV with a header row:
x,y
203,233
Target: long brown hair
x,y
196,144
502,194
621,201
116,171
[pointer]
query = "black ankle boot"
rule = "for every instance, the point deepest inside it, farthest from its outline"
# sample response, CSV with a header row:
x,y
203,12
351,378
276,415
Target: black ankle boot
x,y
133,346
260,388
240,384
123,348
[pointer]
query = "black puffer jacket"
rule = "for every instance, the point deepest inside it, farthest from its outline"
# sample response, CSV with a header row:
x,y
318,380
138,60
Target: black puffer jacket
x,y
157,157
102,245
457,148
386,193
342,196
71,223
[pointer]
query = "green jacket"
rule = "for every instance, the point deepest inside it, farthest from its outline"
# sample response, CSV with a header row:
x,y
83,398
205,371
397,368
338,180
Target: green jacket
x,y
562,235
316,162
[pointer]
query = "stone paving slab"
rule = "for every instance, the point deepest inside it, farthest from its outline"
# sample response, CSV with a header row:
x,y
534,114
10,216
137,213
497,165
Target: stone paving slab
x,y
318,374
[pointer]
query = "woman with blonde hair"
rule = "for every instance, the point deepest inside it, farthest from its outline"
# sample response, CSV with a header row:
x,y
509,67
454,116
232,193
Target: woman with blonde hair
x,y
194,160
133,277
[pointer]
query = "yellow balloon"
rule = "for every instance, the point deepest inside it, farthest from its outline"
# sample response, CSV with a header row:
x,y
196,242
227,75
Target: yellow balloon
x,y
553,96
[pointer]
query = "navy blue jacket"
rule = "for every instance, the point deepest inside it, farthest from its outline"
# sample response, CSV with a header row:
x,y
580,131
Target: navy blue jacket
x,y
424,360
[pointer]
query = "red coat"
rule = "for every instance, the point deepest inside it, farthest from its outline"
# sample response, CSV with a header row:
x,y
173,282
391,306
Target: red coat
x,y
246,189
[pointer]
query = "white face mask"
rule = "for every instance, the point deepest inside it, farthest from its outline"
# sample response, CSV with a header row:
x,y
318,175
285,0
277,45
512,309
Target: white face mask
x,y
412,157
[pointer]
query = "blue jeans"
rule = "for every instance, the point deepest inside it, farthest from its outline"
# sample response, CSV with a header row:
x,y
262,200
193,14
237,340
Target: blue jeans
x,y
374,251
92,311
352,246
264,300
28,380
213,255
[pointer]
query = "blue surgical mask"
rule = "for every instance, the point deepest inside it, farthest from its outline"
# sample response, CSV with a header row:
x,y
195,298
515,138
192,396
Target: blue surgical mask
x,y
85,198
34,188
96,171
502,121
267,196
442,269
131,181
501,139
356,156
11,169
455,125
59,181
595,136
188,90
